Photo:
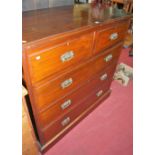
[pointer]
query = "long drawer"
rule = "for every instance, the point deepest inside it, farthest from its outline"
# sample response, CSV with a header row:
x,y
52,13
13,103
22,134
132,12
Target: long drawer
x,y
50,92
50,61
63,122
107,57
67,103
110,36
55,89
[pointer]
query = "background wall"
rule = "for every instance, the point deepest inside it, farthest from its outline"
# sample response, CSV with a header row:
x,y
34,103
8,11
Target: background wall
x,y
40,4
60,2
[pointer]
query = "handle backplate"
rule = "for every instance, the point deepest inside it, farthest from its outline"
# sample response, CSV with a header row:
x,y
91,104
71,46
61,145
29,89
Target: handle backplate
x,y
108,57
114,36
103,77
67,56
99,93
65,121
66,104
66,83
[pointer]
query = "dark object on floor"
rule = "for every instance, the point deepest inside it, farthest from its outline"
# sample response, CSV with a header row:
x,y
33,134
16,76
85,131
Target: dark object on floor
x,y
128,39
120,6
131,52
126,5
78,1
128,43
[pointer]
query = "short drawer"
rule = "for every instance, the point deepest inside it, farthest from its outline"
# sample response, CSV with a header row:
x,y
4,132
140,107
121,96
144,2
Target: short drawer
x,y
63,122
72,100
110,36
58,58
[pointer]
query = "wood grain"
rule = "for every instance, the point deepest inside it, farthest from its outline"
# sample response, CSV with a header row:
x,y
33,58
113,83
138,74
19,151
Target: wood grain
x,y
48,35
47,62
50,22
54,112
60,135
103,36
51,91
53,130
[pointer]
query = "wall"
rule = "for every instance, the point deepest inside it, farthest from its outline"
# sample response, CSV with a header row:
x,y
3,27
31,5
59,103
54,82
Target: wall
x,y
60,2
40,4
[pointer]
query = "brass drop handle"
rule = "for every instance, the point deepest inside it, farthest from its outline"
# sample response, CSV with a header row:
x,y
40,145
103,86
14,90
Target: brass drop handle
x,y
99,93
66,83
103,77
66,104
108,58
67,56
65,121
114,36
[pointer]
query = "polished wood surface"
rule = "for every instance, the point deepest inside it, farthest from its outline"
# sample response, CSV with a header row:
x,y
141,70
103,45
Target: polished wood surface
x,y
71,125
50,61
79,76
39,24
69,62
73,114
101,59
104,36
53,113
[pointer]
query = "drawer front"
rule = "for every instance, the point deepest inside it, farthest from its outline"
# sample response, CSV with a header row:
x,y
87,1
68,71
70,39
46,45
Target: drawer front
x,y
52,91
107,57
56,59
68,118
56,89
72,100
110,36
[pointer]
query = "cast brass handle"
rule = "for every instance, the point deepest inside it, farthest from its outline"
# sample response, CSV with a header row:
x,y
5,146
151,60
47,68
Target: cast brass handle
x,y
65,121
103,77
67,56
114,36
99,93
66,104
66,83
108,58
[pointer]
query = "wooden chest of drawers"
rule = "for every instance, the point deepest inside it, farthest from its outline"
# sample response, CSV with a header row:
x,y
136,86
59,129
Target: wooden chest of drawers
x,y
68,64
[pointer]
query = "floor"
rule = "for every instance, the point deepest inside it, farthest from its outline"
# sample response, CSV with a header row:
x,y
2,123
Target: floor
x,y
107,130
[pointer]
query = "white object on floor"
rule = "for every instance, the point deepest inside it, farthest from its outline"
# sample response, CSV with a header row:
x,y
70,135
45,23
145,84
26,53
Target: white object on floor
x,y
123,74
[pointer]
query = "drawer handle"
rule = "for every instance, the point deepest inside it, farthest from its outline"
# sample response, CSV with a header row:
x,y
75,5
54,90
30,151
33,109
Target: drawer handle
x,y
108,58
103,77
113,36
65,121
67,56
66,104
66,83
99,93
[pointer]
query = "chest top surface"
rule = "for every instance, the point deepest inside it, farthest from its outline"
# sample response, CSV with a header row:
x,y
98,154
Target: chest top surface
x,y
39,24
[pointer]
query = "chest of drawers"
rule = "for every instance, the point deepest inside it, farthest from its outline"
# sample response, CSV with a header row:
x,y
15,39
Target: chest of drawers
x,y
68,64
